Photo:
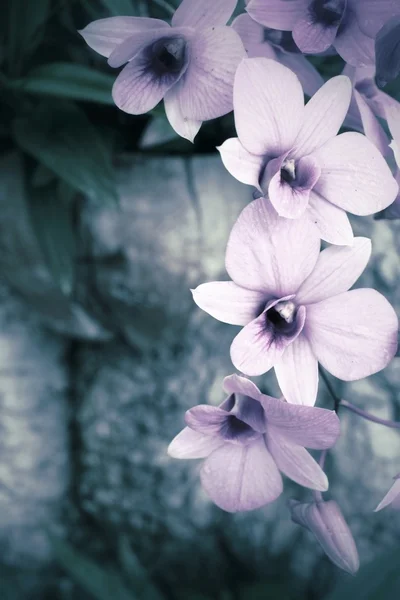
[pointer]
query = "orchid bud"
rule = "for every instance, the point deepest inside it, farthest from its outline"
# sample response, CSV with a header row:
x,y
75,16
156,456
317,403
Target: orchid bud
x,y
326,522
392,498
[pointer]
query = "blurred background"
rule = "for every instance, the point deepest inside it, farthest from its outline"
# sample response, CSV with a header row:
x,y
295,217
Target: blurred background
x,y
106,222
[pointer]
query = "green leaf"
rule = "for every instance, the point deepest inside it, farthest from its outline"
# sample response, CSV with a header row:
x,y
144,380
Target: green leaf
x,y
120,7
68,80
138,578
60,136
102,582
25,30
378,580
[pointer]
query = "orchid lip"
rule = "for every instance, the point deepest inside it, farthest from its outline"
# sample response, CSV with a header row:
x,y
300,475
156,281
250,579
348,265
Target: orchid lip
x,y
168,55
282,316
327,12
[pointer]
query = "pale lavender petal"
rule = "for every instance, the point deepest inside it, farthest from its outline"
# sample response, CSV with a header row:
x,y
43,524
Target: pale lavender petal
x,y
370,125
337,269
354,175
257,346
331,222
387,49
392,497
260,240
294,461
308,75
243,165
307,426
137,89
206,89
186,128
132,45
269,103
104,35
191,444
323,115
204,13
297,373
228,302
372,15
240,477
352,44
235,384
291,200
326,522
206,419
353,334
313,37
278,14
251,33
393,120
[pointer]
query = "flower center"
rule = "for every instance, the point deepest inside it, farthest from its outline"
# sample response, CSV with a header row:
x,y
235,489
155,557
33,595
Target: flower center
x,y
169,55
327,12
288,171
283,316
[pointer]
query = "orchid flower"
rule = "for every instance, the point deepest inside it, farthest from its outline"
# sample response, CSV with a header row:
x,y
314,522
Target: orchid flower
x,y
326,522
292,152
190,64
260,41
294,305
249,439
349,25
392,498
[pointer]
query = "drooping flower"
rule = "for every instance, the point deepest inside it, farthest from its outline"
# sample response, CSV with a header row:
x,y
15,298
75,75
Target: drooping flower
x,y
392,498
387,50
249,439
326,522
349,25
294,305
190,64
260,41
292,152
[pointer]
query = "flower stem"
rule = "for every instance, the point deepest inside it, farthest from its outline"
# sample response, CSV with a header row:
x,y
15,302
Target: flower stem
x,y
368,416
330,389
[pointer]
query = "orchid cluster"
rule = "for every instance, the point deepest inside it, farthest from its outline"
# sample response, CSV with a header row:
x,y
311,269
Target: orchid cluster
x,y
293,301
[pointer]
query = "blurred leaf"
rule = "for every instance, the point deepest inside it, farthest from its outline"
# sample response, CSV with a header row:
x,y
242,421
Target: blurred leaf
x,y
157,132
378,580
68,80
117,8
25,29
138,578
102,582
42,176
52,223
268,590
60,136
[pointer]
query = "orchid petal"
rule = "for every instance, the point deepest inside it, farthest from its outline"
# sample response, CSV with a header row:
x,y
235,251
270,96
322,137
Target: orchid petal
x,y
370,125
393,120
352,44
235,384
277,14
256,347
331,222
238,477
337,269
269,103
205,90
313,37
372,15
186,128
132,45
308,75
294,461
104,35
228,302
243,165
354,175
323,115
260,240
392,497
191,444
388,51
307,426
205,13
251,33
297,373
353,334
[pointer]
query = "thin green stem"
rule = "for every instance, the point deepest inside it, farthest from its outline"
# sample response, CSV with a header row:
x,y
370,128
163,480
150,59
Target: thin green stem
x,y
366,415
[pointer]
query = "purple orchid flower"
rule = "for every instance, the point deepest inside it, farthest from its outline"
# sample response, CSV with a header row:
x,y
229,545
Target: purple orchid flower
x,y
392,498
387,50
260,41
326,522
349,25
191,64
249,439
292,152
294,305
